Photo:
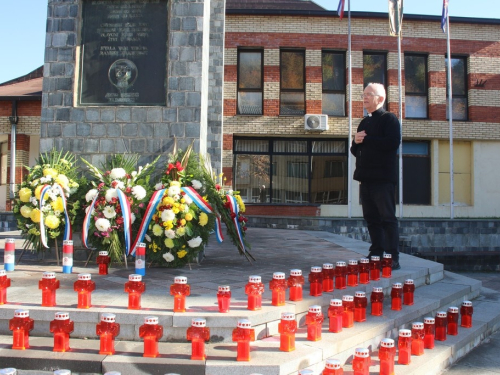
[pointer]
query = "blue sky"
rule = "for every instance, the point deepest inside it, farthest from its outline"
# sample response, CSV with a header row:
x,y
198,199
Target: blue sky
x,y
22,25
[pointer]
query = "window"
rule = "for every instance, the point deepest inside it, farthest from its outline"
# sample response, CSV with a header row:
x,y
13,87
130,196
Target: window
x,y
293,86
333,70
458,87
291,170
250,82
415,86
416,173
375,70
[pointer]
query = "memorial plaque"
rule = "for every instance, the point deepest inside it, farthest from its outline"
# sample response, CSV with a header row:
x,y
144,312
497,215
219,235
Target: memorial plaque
x,y
124,52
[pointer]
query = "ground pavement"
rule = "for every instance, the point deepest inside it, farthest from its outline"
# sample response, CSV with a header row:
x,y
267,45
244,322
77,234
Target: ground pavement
x,y
274,250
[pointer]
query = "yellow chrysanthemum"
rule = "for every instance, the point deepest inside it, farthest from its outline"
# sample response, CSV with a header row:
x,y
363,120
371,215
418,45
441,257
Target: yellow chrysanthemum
x,y
175,183
35,215
241,205
52,221
38,190
25,194
183,222
169,243
175,210
203,219
182,253
50,172
188,216
63,181
168,224
26,211
154,247
183,200
167,201
181,231
157,230
57,205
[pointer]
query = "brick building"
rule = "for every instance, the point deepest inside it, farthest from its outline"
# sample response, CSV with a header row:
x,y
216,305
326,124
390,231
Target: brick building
x,y
283,62
287,60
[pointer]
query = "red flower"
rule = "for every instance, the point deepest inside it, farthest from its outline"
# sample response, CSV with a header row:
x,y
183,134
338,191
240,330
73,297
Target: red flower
x,y
178,166
100,185
119,220
217,186
170,167
114,183
128,190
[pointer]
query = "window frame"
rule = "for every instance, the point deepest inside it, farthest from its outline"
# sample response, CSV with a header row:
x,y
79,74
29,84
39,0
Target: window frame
x,y
325,91
466,85
261,90
426,85
282,90
386,78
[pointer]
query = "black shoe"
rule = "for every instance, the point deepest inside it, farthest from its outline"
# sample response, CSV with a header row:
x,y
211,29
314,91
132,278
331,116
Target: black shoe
x,y
395,266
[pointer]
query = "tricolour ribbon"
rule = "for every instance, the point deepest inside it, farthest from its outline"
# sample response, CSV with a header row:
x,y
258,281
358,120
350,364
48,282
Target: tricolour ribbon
x,y
233,207
86,221
67,227
206,208
150,211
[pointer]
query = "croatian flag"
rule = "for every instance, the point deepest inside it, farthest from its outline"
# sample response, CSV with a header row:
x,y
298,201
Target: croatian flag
x,y
340,9
444,17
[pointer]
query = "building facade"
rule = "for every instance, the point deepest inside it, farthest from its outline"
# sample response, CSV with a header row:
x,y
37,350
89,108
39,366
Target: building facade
x,y
281,67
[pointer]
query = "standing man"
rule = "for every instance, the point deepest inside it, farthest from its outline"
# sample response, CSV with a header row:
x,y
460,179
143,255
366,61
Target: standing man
x,y
375,147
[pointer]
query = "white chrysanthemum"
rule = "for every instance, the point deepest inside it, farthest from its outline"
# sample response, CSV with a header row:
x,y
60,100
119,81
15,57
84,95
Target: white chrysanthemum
x,y
169,233
139,192
159,186
185,208
173,191
188,200
133,174
57,213
118,184
54,190
109,212
91,194
168,257
34,201
132,218
47,208
110,194
117,173
45,179
102,224
157,230
196,184
51,195
195,242
167,215
230,191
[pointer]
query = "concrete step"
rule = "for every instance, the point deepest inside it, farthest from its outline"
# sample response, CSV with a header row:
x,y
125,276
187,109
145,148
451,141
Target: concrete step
x,y
266,357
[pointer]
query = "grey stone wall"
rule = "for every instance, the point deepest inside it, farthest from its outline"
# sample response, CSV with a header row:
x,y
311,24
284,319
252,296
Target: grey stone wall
x,y
437,236
96,132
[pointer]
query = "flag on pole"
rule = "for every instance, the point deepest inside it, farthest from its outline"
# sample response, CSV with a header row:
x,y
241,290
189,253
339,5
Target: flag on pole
x,y
340,9
395,17
444,17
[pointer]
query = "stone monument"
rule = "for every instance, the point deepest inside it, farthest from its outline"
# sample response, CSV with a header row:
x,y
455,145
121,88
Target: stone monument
x,y
127,76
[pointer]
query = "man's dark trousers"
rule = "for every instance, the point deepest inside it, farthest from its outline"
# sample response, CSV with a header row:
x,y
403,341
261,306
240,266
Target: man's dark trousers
x,y
379,211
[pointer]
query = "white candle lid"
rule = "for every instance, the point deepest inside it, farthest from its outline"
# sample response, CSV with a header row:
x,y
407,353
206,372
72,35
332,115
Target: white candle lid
x,y
327,266
10,240
316,269
48,275
360,294
224,288
453,309
316,309
387,343
341,264
21,313
134,277
279,275
335,302
254,279
353,262
295,272
387,256
397,285
244,323
108,317
84,276
198,322
417,325
409,282
180,280
429,320
347,298
378,289
103,253
151,320
306,372
467,303
333,364
287,316
141,244
375,258
68,242
441,314
61,315
404,333
362,352
364,260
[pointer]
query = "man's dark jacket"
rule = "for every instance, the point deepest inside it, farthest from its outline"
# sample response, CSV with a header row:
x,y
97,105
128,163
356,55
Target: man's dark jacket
x,y
376,156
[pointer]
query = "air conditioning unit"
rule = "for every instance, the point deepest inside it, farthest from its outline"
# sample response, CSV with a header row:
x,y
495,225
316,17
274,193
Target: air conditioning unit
x,y
316,122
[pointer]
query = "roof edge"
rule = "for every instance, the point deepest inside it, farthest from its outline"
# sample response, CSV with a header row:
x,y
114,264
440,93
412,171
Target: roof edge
x,y
37,73
332,14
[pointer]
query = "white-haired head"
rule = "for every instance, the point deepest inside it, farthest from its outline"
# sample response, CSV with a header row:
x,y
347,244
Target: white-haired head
x,y
376,96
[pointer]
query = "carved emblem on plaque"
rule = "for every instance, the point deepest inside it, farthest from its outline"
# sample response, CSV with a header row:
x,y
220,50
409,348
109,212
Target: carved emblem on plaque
x,y
122,74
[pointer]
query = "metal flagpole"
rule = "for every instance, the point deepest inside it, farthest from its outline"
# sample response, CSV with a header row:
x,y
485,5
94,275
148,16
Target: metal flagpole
x,y
450,116
349,156
400,120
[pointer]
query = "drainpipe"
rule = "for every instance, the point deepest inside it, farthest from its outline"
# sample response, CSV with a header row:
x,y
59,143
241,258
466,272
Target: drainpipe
x,y
13,121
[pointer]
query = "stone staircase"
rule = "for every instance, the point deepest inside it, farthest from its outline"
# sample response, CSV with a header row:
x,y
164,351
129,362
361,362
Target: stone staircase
x,y
435,290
